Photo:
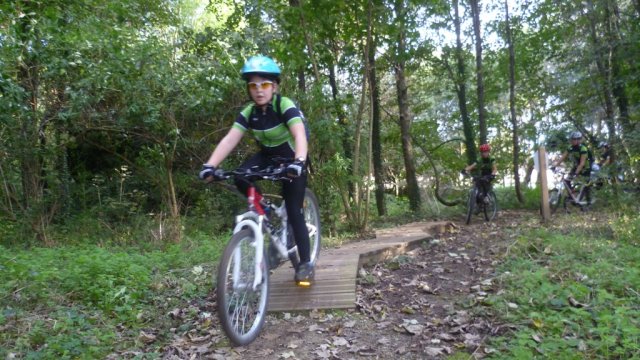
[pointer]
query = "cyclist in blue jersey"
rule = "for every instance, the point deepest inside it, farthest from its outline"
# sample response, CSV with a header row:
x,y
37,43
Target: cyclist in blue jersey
x,y
280,134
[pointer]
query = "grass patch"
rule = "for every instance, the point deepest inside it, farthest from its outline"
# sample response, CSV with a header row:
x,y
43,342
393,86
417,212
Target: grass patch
x,y
88,301
577,296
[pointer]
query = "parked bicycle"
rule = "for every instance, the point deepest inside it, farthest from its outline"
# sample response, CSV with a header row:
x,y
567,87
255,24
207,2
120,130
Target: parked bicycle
x,y
479,202
242,286
569,192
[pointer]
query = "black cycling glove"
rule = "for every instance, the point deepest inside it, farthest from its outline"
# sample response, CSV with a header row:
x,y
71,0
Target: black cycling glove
x,y
211,171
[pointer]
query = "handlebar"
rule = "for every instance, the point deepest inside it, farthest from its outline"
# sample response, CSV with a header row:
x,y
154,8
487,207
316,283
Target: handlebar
x,y
271,172
268,173
559,171
474,177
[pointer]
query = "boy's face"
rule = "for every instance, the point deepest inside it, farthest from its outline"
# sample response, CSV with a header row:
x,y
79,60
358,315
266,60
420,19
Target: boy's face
x,y
484,154
261,89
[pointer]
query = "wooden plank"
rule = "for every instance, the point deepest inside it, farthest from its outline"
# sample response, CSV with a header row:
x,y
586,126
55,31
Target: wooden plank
x,y
317,288
336,271
320,301
379,254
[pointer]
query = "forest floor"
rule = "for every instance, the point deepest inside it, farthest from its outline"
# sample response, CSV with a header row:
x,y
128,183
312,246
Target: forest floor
x,y
425,304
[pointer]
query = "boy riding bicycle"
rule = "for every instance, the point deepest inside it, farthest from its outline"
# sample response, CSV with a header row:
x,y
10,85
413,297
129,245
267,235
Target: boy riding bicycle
x,y
486,167
280,134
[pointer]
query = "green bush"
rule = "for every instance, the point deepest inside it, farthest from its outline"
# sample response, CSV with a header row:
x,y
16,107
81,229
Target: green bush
x,y
507,198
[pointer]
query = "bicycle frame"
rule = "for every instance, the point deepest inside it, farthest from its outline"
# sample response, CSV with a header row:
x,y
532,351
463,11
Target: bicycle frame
x,y
575,195
254,219
477,180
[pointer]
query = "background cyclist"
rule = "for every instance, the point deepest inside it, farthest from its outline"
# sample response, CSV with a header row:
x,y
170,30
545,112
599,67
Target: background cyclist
x,y
606,154
485,165
278,136
578,154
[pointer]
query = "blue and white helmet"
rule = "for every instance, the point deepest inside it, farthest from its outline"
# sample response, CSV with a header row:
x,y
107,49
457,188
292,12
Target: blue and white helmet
x,y
576,135
261,65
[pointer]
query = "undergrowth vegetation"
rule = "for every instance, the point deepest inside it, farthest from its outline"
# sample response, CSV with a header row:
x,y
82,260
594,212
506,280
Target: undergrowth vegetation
x,y
571,291
576,286
88,301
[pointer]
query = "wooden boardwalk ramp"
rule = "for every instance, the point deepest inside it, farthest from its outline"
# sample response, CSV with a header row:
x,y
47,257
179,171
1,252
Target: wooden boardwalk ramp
x,y
336,271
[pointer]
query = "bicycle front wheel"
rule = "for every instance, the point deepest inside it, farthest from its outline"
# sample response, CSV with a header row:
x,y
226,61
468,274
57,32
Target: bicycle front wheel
x,y
311,213
242,306
471,204
491,208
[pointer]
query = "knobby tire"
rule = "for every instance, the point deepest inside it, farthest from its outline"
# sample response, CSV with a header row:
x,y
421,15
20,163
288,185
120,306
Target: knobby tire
x,y
471,203
555,198
241,309
311,212
491,208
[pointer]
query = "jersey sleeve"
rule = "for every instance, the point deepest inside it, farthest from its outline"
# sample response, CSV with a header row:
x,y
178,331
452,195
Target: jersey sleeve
x,y
584,150
242,122
291,115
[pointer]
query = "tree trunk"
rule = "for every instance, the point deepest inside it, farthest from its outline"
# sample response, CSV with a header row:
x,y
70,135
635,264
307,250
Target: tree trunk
x,y
403,107
603,70
461,90
345,136
302,84
378,171
615,39
529,171
307,37
482,116
512,105
29,145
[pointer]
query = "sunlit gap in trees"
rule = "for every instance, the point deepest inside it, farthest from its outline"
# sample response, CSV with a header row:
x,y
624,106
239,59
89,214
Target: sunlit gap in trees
x,y
201,14
437,30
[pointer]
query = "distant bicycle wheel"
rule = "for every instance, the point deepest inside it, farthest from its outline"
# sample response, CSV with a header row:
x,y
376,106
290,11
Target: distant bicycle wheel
x,y
491,207
471,204
242,306
555,198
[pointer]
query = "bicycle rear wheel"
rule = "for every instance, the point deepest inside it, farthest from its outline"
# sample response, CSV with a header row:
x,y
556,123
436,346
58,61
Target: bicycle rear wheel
x,y
471,204
311,213
491,208
241,307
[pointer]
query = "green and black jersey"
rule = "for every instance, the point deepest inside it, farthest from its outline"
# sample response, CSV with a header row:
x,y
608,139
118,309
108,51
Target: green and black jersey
x,y
270,130
574,154
484,166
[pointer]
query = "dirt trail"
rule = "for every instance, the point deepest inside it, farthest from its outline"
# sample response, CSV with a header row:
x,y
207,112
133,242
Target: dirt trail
x,y
420,305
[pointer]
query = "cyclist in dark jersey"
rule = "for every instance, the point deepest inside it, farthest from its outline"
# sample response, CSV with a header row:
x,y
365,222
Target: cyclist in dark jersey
x,y
279,136
606,155
578,154
485,165
610,169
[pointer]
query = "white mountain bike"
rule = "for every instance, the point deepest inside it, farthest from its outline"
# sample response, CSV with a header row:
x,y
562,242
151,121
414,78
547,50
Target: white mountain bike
x,y
242,286
569,192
